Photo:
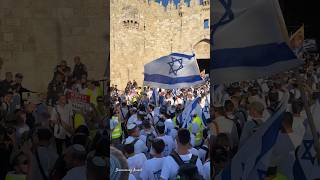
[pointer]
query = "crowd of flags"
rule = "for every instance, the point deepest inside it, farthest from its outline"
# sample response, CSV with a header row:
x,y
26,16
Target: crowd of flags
x,y
250,42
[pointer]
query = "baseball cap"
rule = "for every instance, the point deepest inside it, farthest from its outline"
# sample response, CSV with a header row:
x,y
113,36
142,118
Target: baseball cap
x,y
131,126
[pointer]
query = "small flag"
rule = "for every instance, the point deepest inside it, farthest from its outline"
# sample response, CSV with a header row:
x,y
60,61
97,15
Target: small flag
x,y
173,72
185,118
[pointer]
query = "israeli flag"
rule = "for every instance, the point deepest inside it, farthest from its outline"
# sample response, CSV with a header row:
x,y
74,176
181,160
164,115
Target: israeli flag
x,y
172,72
249,40
185,118
252,163
304,164
206,108
155,96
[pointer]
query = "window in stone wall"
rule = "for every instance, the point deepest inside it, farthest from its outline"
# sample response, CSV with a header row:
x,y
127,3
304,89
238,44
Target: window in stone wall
x,y
206,24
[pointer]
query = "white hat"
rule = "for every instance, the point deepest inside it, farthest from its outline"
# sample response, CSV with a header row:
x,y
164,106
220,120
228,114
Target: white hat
x,y
131,126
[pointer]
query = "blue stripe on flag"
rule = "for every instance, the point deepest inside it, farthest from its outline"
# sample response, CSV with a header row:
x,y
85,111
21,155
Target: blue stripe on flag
x,y
253,56
157,78
270,137
297,170
182,55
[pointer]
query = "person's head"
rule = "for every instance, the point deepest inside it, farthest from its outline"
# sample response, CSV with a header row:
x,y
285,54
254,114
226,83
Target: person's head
x,y
58,77
223,140
63,63
273,97
218,111
133,130
43,136
62,100
9,76
20,117
157,146
30,107
256,109
18,78
146,124
96,168
150,107
287,121
160,127
75,156
77,60
296,107
183,137
235,100
80,138
228,106
8,97
128,149
21,163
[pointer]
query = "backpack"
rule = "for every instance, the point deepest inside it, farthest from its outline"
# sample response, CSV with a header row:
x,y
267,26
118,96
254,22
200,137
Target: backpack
x,y
149,140
237,123
187,171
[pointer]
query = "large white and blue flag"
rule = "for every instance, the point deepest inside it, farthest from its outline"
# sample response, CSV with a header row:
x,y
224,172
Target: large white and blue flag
x,y
253,159
185,118
249,40
303,164
172,72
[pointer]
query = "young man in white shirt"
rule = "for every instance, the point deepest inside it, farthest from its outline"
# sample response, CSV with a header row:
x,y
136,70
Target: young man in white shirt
x,y
151,169
136,139
256,110
135,160
224,125
61,120
170,167
75,158
168,141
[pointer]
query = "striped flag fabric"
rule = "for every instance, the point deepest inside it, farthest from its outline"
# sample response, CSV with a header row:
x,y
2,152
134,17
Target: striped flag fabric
x,y
252,163
174,71
249,41
310,45
185,118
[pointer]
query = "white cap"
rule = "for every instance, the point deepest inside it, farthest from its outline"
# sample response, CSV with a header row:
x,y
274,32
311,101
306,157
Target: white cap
x,y
131,126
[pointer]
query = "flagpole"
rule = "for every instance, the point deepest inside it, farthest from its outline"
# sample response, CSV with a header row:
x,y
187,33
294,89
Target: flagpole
x,y
310,119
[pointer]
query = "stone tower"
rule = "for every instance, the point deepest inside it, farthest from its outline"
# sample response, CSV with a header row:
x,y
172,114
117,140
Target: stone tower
x,y
144,30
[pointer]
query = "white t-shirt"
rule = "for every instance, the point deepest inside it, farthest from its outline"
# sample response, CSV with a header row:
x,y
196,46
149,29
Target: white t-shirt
x,y
298,126
66,114
169,144
202,153
206,169
133,119
170,167
151,169
139,146
78,173
227,126
136,162
194,151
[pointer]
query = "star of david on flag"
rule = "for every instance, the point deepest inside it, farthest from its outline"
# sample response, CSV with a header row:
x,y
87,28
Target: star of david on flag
x,y
173,69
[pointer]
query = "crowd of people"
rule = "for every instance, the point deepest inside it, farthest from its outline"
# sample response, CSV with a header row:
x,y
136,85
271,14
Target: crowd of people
x,y
154,144
42,136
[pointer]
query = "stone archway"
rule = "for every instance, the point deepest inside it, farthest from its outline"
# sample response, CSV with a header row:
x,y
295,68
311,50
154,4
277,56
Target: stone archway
x,y
202,52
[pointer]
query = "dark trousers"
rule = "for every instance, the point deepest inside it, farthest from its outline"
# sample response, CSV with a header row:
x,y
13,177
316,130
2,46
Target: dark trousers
x,y
59,144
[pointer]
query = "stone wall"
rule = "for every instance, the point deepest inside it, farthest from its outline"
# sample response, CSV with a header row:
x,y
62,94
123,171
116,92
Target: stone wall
x,y
37,34
143,30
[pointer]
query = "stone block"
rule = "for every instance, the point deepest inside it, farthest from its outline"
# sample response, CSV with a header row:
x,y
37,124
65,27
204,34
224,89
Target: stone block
x,y
12,22
8,37
65,12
